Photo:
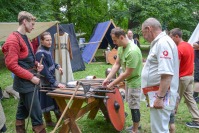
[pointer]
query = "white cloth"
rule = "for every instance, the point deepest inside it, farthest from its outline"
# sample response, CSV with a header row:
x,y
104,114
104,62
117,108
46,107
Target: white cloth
x,y
159,124
195,35
65,59
132,40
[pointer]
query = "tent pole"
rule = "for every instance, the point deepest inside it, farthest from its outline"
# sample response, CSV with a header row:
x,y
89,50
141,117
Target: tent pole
x,y
59,48
99,42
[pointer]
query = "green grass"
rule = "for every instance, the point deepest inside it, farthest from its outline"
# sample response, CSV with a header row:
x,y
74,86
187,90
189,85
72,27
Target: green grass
x,y
98,125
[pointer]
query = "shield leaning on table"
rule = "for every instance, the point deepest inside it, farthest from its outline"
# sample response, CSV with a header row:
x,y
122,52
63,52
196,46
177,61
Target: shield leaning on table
x,y
115,108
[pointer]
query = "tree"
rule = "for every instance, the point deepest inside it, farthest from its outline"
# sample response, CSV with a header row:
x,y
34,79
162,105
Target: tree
x,y
171,13
128,14
85,14
9,11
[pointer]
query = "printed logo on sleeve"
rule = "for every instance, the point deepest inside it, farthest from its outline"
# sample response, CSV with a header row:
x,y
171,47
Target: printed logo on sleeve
x,y
165,55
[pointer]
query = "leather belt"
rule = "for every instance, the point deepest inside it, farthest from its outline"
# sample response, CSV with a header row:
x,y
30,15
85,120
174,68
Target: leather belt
x,y
151,88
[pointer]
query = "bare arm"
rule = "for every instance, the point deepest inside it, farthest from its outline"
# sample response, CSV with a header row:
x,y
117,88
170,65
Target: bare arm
x,y
195,46
113,71
122,77
165,83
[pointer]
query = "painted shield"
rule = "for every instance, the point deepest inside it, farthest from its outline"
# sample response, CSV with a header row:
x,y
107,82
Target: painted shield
x,y
115,107
112,55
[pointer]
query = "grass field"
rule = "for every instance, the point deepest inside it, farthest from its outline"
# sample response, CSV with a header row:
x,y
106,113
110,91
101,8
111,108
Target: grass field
x,y
98,125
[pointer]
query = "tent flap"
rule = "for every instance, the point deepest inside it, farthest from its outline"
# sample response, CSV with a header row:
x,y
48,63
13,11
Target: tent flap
x,y
100,39
195,35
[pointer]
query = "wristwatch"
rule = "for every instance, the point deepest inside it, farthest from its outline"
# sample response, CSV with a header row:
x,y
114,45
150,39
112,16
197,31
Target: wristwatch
x,y
159,97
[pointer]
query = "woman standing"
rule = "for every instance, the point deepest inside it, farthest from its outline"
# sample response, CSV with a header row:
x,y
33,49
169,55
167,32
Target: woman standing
x,y
47,103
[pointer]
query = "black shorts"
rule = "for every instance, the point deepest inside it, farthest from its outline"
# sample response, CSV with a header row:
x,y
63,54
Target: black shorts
x,y
172,118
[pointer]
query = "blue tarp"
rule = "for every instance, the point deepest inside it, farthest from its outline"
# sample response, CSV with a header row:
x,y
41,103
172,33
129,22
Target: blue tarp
x,y
99,39
77,63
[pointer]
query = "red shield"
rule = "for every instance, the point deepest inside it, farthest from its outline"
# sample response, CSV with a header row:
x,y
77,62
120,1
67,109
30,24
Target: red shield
x,y
115,107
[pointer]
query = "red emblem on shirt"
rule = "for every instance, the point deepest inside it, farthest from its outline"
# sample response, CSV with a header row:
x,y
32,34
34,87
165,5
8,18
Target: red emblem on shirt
x,y
165,53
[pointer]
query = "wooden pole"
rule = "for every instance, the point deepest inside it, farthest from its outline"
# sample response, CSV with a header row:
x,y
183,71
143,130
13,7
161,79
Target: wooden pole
x,y
59,48
64,112
91,42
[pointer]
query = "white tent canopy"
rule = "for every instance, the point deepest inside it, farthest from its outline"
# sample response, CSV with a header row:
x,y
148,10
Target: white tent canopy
x,y
195,36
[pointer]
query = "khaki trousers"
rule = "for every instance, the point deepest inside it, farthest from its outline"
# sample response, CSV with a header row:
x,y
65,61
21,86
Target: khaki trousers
x,y
186,89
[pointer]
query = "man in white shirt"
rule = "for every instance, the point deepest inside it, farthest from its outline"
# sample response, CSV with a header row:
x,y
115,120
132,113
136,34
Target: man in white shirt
x,y
161,71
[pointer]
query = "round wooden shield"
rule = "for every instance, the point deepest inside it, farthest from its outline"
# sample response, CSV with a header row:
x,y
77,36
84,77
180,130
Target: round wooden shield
x,y
112,55
115,107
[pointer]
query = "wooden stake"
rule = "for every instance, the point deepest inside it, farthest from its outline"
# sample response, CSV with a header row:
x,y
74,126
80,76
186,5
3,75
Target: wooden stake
x,y
64,112
59,48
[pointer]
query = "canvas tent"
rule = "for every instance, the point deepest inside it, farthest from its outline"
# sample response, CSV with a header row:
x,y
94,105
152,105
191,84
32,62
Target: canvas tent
x,y
7,28
195,35
99,39
76,61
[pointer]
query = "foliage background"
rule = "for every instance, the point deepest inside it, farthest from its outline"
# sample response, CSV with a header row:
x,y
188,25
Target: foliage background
x,y
129,14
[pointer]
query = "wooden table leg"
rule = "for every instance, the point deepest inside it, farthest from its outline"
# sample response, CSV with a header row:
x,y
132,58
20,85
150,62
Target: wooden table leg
x,y
92,114
101,106
76,106
87,108
104,109
72,125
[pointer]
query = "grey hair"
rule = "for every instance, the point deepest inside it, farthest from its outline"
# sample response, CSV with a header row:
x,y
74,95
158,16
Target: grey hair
x,y
153,22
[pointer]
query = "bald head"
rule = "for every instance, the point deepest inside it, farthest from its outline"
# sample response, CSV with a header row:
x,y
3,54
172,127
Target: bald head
x,y
130,34
152,22
151,28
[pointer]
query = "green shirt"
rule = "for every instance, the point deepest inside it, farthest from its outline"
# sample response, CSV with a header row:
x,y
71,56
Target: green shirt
x,y
131,57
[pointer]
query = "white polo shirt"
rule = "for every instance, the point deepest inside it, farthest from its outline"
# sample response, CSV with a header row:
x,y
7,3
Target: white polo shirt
x,y
162,59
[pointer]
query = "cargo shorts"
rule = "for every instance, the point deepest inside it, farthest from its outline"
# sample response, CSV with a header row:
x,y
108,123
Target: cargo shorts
x,y
134,98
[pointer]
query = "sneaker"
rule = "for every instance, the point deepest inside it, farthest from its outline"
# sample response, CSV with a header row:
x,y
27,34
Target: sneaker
x,y
131,128
192,124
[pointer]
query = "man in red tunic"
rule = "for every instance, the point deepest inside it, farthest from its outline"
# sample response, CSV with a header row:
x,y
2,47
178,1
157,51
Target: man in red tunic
x,y
20,60
186,80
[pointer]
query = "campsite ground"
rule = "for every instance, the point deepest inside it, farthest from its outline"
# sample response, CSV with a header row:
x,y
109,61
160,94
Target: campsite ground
x,y
98,125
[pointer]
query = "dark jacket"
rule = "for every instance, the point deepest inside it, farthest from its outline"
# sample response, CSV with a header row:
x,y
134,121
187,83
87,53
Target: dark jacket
x,y
49,66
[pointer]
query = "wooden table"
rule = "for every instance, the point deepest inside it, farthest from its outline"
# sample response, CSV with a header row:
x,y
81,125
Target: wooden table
x,y
77,108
